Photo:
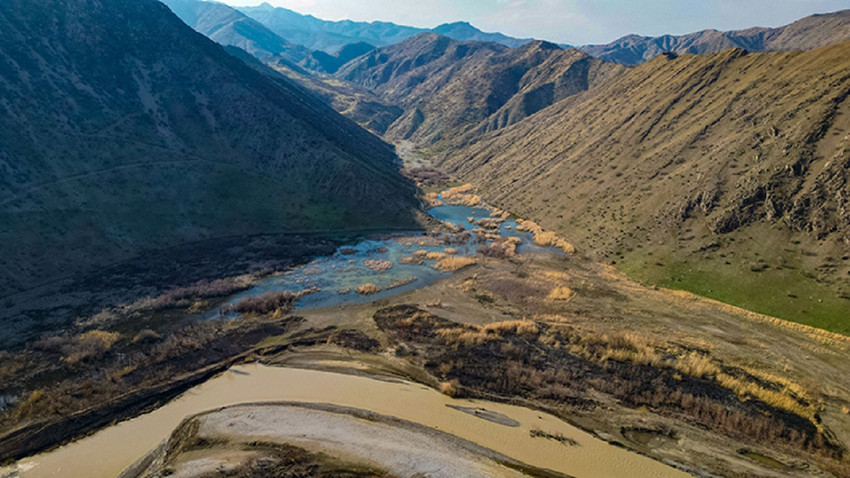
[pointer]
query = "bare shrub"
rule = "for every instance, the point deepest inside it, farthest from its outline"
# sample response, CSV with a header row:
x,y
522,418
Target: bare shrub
x,y
90,345
501,248
281,301
186,296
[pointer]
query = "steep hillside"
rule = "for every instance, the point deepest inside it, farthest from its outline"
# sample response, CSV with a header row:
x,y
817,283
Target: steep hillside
x,y
448,88
805,34
328,36
112,144
725,174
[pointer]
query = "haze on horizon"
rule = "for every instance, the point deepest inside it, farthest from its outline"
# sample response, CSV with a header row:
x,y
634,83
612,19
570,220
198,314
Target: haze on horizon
x,y
576,22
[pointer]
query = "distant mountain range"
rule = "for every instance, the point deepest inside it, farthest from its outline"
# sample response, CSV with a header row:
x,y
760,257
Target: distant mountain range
x,y
328,36
125,131
447,87
805,34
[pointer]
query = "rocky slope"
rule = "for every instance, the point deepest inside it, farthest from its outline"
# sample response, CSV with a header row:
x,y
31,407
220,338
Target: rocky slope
x,y
805,34
447,88
113,144
726,174
330,36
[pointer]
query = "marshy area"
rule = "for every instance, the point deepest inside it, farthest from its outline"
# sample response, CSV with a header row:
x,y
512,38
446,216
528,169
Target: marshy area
x,y
485,306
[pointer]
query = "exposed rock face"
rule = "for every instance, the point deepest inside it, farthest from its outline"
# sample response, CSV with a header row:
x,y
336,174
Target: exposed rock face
x,y
449,88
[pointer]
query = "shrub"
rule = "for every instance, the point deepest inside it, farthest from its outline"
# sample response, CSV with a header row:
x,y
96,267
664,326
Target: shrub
x,y
280,301
91,344
502,247
450,388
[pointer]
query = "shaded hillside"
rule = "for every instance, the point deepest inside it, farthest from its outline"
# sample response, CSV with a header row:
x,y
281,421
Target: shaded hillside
x,y
725,174
329,36
448,87
230,27
808,33
113,144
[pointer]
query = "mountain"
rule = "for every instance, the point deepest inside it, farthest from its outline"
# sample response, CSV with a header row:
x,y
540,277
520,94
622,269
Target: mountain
x,y
329,36
805,34
357,104
447,88
230,27
464,31
112,143
725,174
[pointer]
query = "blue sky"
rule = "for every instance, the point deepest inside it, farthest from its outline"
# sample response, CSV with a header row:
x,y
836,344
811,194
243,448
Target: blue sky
x,y
569,21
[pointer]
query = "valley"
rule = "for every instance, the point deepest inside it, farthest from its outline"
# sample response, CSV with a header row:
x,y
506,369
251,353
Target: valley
x,y
243,241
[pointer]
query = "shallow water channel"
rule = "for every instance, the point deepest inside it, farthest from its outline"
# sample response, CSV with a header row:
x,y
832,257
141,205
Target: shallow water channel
x,y
336,277
109,451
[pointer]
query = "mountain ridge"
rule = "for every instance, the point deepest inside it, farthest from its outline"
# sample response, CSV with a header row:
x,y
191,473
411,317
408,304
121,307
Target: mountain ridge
x,y
330,36
805,34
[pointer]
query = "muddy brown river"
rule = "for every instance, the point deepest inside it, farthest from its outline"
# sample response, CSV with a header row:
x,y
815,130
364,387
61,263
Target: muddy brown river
x,y
499,427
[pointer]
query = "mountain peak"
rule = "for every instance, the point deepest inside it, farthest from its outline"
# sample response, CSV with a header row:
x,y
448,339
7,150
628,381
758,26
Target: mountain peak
x,y
541,45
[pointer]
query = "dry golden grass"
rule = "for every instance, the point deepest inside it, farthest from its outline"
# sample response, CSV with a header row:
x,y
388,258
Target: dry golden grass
x,y
845,410
462,196
411,260
555,276
378,265
31,404
545,238
640,349
435,256
452,263
432,200
421,253
450,251
401,282
368,289
477,334
562,293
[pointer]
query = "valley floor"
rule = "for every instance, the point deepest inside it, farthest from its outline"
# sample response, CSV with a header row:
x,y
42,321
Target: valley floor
x,y
701,386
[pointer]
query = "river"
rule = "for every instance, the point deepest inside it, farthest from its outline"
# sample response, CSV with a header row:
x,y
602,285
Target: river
x,y
109,451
